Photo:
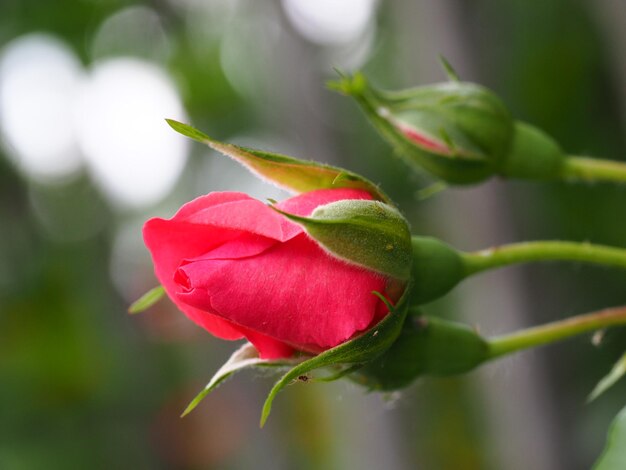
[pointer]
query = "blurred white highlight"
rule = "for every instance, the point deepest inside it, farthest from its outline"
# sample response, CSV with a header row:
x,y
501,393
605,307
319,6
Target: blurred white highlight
x,y
38,79
132,31
330,22
133,155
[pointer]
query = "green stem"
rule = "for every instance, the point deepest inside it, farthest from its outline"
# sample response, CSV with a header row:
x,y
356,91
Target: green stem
x,y
593,169
555,331
517,253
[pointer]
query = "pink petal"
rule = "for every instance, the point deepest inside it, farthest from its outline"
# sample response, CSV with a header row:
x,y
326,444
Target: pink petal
x,y
293,292
169,243
423,140
195,230
208,200
268,347
207,234
247,215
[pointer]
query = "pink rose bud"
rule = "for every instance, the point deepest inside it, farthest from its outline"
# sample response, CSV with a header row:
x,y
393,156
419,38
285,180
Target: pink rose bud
x,y
239,268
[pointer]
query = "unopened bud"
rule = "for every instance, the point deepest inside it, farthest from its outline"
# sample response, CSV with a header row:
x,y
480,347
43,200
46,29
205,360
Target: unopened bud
x,y
457,131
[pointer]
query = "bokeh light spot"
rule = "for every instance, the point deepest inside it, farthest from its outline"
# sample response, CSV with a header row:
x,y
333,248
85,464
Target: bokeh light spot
x,y
133,155
39,76
330,22
132,31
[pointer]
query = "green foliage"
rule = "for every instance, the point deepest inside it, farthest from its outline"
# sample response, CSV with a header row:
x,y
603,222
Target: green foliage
x,y
614,455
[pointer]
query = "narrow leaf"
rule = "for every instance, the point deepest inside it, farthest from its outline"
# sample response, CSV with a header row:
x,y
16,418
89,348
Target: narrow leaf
x,y
245,357
147,300
358,351
289,173
614,455
617,372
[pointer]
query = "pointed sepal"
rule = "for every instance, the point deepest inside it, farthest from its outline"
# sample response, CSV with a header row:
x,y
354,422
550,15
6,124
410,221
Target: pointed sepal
x,y
616,373
245,357
371,234
147,300
291,174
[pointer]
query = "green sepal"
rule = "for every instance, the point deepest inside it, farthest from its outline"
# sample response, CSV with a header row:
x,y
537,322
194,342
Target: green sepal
x,y
368,233
360,350
616,373
147,300
614,455
533,155
469,125
436,269
245,357
291,174
452,74
426,346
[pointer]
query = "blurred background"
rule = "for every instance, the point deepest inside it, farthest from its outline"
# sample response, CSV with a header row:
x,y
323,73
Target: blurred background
x,y
86,158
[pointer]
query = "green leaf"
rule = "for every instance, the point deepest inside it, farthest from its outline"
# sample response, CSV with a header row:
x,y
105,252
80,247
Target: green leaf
x,y
614,455
245,357
358,351
147,300
617,372
368,233
286,172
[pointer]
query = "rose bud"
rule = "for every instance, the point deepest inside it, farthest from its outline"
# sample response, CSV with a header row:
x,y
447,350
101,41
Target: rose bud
x,y
457,131
240,268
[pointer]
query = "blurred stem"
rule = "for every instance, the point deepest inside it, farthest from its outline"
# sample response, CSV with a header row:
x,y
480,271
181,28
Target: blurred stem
x,y
517,253
555,331
593,169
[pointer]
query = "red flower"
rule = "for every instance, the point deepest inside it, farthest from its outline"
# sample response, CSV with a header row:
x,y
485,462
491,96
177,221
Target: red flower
x,y
239,269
